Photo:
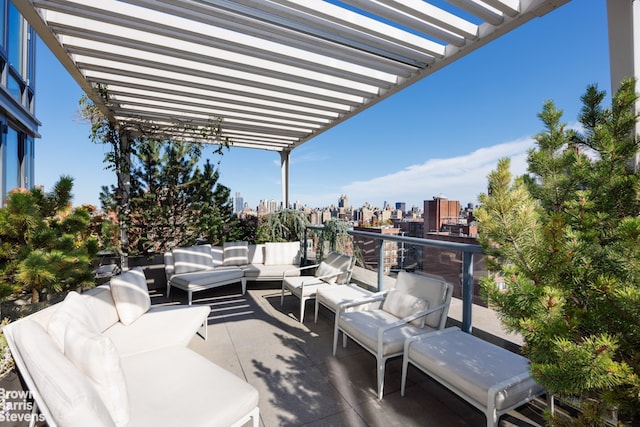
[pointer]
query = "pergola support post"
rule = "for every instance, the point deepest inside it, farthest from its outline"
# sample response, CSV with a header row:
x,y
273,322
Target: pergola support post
x,y
124,183
623,19
284,168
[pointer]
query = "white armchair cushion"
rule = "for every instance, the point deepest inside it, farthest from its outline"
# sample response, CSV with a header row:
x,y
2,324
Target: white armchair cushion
x,y
235,253
73,309
402,305
342,262
131,295
96,357
325,269
192,258
282,253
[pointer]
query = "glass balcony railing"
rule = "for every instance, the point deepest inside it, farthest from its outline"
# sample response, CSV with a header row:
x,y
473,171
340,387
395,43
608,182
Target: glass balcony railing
x,y
380,256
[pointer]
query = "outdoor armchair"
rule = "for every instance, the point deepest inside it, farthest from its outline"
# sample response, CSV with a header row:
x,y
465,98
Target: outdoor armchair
x,y
415,305
336,268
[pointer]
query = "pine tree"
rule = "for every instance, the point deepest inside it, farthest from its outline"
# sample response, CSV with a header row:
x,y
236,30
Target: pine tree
x,y
175,201
565,239
46,244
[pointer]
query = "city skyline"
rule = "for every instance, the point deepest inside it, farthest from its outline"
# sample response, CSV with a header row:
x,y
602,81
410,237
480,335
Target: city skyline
x,y
442,135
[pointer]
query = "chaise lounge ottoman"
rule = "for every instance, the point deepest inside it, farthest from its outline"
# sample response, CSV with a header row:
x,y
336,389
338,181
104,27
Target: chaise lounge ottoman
x,y
489,377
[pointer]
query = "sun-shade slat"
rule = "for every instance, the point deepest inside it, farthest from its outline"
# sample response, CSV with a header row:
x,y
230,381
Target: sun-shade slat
x,y
275,72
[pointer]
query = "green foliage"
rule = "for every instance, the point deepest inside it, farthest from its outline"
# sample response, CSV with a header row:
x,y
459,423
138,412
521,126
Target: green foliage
x,y
335,237
285,225
243,228
565,239
6,360
175,201
164,197
46,244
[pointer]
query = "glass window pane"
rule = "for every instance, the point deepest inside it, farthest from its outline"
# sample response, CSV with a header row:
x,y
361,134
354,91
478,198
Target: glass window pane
x,y
15,87
12,170
16,40
3,15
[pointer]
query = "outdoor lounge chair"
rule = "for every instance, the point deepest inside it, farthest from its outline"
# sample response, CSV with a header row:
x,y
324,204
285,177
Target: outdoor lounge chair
x,y
416,304
336,268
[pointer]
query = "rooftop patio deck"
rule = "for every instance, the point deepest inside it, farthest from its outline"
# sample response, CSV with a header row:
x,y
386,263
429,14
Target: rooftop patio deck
x,y
301,383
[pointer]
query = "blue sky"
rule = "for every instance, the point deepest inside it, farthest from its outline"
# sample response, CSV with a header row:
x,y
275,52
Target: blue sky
x,y
441,136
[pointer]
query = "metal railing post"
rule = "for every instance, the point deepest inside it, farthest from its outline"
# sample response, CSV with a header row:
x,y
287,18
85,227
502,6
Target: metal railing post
x,y
380,263
467,290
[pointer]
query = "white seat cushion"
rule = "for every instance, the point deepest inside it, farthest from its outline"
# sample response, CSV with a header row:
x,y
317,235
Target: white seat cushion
x,y
208,277
131,295
363,326
96,357
311,285
333,296
208,394
473,366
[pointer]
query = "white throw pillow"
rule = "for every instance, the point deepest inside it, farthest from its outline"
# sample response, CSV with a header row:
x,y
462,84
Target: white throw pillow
x,y
235,253
403,305
282,253
73,309
131,295
325,269
192,258
96,357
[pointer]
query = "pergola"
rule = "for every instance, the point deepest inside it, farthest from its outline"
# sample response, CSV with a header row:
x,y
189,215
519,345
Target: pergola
x,y
275,72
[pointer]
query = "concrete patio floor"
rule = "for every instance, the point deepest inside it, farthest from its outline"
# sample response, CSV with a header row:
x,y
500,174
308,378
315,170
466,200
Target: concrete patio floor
x,y
302,384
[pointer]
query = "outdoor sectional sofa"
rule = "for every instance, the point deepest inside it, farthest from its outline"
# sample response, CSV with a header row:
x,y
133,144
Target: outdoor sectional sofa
x,y
107,358
200,267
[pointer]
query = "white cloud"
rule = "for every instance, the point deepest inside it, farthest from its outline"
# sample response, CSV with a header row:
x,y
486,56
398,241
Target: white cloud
x,y
460,178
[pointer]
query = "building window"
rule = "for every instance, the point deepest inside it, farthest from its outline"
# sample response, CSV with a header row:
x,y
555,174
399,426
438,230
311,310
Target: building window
x,y
16,43
12,161
3,26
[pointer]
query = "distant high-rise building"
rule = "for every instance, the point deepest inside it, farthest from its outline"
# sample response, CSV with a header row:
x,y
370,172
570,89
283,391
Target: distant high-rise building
x,y
343,202
238,203
402,206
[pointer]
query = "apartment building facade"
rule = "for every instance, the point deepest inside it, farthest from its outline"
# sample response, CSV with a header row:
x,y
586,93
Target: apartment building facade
x,y
18,123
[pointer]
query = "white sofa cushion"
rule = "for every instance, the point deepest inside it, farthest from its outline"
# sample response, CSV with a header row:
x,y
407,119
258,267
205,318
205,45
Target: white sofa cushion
x,y
282,253
73,309
217,253
96,357
71,399
256,254
131,295
192,258
101,305
403,305
207,394
235,253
